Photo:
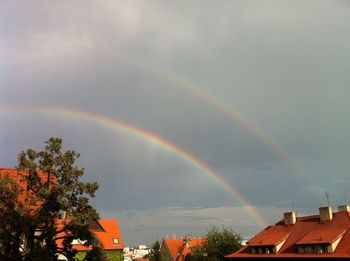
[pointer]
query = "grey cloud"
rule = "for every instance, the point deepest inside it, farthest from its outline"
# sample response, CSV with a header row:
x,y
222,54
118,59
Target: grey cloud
x,y
281,65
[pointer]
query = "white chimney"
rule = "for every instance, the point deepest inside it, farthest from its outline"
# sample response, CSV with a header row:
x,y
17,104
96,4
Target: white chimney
x,y
289,218
326,213
187,241
344,208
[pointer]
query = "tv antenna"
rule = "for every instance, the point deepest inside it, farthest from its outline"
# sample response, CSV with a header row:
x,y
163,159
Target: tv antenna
x,y
345,197
327,198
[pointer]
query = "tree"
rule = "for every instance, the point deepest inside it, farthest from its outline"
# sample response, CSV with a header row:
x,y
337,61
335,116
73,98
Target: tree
x,y
52,188
11,221
218,244
97,253
155,253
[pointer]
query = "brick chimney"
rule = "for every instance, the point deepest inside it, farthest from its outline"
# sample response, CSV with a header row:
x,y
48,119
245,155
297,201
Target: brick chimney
x,y
289,218
326,213
344,208
187,241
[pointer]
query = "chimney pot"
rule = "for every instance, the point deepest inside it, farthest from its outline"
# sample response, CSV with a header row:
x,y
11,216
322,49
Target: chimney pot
x,y
344,208
326,213
289,218
187,241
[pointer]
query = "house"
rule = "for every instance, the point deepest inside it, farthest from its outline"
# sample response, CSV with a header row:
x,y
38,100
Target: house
x,y
326,235
179,249
108,233
139,252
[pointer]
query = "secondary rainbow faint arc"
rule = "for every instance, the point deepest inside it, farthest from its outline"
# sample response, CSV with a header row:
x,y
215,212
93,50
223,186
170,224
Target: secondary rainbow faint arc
x,y
229,111
150,137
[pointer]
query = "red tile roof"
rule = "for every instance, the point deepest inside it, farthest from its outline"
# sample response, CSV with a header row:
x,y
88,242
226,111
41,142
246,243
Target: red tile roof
x,y
269,239
306,230
322,235
17,175
178,249
109,236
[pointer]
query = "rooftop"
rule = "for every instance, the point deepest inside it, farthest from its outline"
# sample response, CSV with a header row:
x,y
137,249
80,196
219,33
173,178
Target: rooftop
x,y
178,248
309,237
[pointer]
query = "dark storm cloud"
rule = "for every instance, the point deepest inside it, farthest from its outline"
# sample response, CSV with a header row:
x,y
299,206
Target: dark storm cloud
x,y
282,65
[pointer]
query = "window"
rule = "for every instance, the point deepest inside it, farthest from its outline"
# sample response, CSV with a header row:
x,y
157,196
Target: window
x,y
115,241
269,250
262,250
311,249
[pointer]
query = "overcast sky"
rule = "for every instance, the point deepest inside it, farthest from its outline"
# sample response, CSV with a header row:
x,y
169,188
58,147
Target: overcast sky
x,y
256,90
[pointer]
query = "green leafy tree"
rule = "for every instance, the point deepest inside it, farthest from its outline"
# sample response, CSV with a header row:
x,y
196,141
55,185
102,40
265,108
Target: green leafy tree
x,y
12,222
218,244
155,253
53,187
97,253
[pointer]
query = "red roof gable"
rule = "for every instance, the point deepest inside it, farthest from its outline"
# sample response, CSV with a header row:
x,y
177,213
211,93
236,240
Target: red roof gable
x,y
179,250
307,230
109,236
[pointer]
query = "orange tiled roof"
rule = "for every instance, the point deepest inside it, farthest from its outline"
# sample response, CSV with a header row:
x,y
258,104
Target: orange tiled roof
x,y
112,231
17,175
177,248
269,239
322,235
110,236
307,230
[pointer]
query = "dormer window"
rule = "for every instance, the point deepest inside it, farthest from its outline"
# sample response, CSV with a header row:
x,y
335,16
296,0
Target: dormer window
x,y
270,243
262,250
312,249
115,241
320,241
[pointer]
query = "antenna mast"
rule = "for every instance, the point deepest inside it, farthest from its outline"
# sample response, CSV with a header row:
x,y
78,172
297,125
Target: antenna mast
x,y
345,198
327,197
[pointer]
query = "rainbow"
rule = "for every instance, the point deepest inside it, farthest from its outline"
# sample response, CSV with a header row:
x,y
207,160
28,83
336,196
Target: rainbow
x,y
150,137
230,112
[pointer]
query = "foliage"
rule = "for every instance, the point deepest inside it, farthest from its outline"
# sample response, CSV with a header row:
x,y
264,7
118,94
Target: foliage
x,y
114,255
12,222
52,187
111,255
218,244
97,253
155,253
80,255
